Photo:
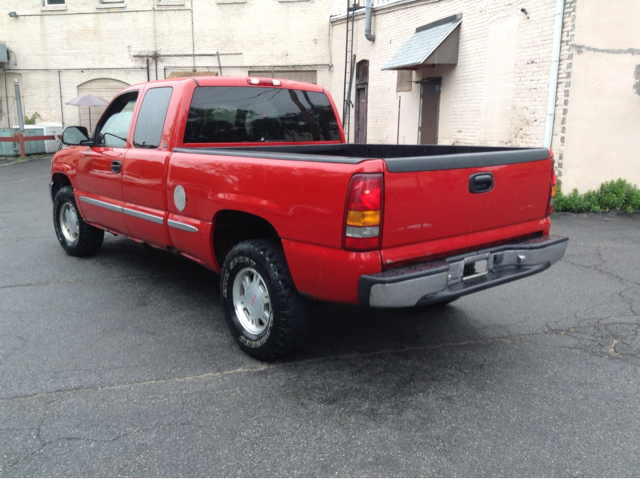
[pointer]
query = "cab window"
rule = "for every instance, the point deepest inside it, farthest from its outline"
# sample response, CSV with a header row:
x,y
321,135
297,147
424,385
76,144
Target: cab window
x,y
255,114
151,117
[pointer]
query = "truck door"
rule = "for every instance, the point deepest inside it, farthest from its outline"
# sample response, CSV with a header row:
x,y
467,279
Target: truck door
x,y
99,175
145,200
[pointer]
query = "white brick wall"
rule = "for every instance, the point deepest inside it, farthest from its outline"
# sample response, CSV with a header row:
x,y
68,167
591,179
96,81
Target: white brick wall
x,y
468,95
88,39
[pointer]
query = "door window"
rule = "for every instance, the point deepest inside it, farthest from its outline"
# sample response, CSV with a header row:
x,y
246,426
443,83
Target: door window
x,y
113,128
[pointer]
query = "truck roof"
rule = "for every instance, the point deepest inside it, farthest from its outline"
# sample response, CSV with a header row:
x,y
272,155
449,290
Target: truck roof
x,y
235,81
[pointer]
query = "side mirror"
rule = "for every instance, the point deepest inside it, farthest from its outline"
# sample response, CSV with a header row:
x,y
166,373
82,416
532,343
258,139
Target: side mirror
x,y
75,135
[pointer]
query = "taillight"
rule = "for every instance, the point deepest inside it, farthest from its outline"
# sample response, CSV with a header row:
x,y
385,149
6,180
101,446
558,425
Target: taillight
x,y
554,182
363,218
264,81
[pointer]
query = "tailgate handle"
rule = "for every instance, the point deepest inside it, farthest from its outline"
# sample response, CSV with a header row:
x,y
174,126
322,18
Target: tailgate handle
x,y
481,182
116,166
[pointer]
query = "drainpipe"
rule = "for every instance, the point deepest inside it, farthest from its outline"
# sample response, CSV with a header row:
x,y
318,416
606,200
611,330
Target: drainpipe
x,y
19,104
367,22
193,40
61,104
6,95
553,77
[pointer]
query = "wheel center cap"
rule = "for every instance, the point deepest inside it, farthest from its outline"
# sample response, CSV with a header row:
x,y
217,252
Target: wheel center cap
x,y
253,301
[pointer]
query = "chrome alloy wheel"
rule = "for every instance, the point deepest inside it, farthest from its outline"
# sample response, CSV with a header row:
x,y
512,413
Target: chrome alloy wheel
x,y
251,301
69,224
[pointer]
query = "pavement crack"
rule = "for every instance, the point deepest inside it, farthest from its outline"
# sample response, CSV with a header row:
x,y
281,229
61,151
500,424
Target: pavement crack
x,y
137,383
101,281
280,365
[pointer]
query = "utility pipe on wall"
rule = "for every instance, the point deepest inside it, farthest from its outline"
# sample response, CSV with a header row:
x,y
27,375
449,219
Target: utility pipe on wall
x,y
61,103
553,77
19,104
367,22
6,95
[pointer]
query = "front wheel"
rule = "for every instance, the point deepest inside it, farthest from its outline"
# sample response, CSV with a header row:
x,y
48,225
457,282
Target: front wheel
x,y
265,314
76,237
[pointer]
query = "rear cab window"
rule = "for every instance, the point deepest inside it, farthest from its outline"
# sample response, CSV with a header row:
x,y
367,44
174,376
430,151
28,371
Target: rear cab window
x,y
232,114
151,117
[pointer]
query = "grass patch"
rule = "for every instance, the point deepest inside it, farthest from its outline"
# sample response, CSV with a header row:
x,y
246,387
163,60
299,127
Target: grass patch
x,y
618,195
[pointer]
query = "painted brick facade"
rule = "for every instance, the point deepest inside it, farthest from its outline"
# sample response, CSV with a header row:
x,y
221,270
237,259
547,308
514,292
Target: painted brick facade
x,y
465,110
56,49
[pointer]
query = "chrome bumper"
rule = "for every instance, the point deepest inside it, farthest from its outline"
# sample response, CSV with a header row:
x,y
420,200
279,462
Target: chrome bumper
x,y
450,278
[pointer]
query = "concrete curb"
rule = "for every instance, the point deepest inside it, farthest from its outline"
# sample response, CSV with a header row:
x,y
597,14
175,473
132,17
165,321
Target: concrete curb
x,y
12,161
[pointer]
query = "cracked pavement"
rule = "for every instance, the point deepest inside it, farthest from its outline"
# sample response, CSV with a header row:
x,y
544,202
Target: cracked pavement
x,y
121,365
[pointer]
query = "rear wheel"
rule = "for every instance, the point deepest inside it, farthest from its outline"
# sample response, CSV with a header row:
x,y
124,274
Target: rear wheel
x,y
76,237
265,314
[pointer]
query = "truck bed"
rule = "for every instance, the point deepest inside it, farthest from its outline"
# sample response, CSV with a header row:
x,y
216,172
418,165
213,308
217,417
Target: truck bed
x,y
429,208
398,158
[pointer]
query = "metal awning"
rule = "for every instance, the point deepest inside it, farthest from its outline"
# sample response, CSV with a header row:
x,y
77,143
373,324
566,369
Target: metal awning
x,y
432,44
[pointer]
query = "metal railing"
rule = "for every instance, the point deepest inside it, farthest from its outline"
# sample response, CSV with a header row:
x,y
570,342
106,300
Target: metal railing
x,y
20,138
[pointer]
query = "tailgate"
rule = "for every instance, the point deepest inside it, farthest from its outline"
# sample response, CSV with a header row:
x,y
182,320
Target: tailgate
x,y
456,196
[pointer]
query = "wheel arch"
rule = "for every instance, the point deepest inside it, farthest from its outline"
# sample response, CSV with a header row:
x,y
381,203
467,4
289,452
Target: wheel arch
x,y
58,181
232,226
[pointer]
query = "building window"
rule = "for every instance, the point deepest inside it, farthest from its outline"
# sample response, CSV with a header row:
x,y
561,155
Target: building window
x,y
48,3
309,76
111,1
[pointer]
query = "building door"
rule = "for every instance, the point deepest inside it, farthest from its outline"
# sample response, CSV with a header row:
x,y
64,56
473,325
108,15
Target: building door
x,y
429,111
361,114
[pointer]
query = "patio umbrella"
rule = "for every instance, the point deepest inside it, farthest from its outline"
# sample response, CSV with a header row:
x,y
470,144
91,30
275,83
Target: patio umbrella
x,y
90,101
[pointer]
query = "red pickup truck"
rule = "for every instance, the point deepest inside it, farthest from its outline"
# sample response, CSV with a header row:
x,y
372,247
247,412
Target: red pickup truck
x,y
252,178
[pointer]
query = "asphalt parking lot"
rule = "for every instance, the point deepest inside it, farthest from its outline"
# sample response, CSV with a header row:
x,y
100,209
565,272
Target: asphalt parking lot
x,y
121,365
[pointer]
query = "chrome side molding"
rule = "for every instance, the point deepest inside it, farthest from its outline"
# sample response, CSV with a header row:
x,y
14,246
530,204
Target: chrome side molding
x,y
182,226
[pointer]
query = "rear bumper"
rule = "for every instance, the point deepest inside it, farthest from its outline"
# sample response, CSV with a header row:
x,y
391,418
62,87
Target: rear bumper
x,y
447,279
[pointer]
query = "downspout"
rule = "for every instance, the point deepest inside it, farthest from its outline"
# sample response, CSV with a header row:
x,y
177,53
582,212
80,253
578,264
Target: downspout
x,y
553,77
6,95
16,85
367,22
61,103
193,40
220,64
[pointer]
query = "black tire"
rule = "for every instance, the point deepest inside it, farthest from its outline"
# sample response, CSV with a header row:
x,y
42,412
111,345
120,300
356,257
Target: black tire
x,y
76,237
265,314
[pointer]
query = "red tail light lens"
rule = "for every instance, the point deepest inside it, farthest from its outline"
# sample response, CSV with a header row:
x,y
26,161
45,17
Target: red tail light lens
x,y
554,182
363,217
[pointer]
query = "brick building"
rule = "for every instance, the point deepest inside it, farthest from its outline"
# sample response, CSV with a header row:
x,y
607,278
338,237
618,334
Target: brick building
x,y
487,78
499,88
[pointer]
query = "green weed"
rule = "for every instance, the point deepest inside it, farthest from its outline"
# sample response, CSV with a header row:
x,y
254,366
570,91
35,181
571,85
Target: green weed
x,y
618,195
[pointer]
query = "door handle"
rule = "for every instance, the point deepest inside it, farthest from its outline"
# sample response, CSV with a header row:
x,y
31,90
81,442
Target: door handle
x,y
116,166
481,182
